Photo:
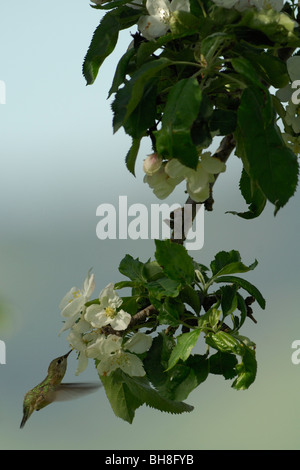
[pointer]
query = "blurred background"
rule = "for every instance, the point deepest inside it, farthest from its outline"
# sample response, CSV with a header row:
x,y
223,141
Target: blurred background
x,y
59,162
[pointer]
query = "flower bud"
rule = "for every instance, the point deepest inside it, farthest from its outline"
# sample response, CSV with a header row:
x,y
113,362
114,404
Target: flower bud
x,y
152,164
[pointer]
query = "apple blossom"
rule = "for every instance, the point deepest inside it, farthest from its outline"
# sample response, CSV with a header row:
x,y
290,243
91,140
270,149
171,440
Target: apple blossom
x,y
157,23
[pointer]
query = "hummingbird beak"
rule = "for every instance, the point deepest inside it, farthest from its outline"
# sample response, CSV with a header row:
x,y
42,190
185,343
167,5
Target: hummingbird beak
x,y
66,355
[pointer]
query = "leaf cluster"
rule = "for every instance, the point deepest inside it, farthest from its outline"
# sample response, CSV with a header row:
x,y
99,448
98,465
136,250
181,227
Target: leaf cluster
x,y
191,302
209,76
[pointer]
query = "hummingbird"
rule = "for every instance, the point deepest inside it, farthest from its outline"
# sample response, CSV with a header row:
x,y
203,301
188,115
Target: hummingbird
x,y
51,389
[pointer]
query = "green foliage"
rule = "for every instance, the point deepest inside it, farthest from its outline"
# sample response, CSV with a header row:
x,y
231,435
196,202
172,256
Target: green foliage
x,y
210,75
192,310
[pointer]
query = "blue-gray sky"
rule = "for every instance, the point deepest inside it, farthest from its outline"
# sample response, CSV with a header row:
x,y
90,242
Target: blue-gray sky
x,y
59,161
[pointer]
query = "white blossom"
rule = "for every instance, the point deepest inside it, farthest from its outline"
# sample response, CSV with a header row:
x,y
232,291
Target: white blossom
x,y
113,355
197,180
157,23
106,312
73,303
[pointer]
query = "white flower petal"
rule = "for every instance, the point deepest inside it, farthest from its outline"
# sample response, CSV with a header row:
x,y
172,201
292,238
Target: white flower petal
x,y
154,6
120,321
151,27
82,363
139,343
111,344
95,350
201,195
180,5
96,316
175,169
131,365
197,179
212,165
108,365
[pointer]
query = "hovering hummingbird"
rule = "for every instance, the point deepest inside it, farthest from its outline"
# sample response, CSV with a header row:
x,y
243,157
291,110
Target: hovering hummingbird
x,y
51,389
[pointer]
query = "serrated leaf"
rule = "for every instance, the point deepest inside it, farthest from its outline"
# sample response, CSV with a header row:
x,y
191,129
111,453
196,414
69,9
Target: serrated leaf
x,y
223,342
177,383
277,26
144,114
266,157
246,370
121,70
122,400
132,155
246,69
250,288
141,389
222,259
170,311
224,364
130,95
185,343
175,261
271,68
223,121
164,287
229,300
189,296
105,39
181,110
253,196
132,268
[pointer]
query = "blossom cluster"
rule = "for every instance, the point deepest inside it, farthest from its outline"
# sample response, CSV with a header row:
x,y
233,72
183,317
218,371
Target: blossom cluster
x,y
163,177
160,12
291,118
86,336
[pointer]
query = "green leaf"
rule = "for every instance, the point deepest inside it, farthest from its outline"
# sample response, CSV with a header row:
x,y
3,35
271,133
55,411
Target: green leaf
x,y
184,346
152,271
270,67
130,95
143,116
223,342
122,400
184,22
177,383
214,43
126,394
189,296
105,39
229,300
278,27
141,389
132,268
250,288
223,121
266,158
182,108
229,262
223,364
121,70
164,287
175,261
132,155
246,369
253,196
170,311
246,69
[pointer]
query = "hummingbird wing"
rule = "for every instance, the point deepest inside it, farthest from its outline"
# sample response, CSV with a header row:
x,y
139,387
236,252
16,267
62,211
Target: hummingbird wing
x,y
71,391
